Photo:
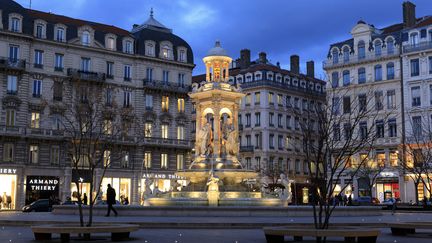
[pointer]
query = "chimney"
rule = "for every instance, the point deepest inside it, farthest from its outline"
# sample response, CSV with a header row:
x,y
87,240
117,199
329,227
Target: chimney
x,y
262,57
310,69
244,58
409,15
295,64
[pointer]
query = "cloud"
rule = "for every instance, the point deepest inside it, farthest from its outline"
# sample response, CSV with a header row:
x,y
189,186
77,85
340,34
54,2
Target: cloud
x,y
200,15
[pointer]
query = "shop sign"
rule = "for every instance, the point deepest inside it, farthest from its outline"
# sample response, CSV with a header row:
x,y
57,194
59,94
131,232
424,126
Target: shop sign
x,y
8,171
40,183
162,176
388,174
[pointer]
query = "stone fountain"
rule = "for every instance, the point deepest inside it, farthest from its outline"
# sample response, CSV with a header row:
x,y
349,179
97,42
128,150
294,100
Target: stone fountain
x,y
216,177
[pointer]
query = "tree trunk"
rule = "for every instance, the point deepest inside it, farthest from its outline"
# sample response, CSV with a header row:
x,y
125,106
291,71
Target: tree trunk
x,y
416,192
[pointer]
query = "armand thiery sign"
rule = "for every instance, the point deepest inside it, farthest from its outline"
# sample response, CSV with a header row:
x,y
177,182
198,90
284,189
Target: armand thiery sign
x,y
42,183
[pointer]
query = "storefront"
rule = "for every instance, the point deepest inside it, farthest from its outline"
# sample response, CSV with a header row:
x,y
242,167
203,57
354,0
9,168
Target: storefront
x,y
83,179
160,183
387,185
41,187
8,188
122,186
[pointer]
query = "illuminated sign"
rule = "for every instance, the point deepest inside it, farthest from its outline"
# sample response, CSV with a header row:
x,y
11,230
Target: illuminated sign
x,y
162,176
42,183
8,171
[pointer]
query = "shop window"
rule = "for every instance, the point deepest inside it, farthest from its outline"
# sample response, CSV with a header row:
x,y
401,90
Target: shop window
x,y
147,160
55,155
8,187
180,161
107,158
164,131
305,195
164,161
121,186
8,152
34,154
148,129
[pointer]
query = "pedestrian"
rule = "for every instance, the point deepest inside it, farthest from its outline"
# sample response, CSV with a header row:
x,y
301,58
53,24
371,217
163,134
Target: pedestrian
x,y
339,199
85,199
345,200
349,200
393,206
111,195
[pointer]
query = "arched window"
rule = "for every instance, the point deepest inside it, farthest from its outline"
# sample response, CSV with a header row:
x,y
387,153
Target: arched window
x,y
182,56
378,72
150,49
377,48
361,75
60,35
390,70
110,43
346,77
85,38
128,47
166,51
335,54
346,54
414,39
15,24
335,79
361,50
390,46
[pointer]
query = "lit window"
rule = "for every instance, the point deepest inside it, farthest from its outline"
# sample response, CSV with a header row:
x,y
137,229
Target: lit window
x,y
35,120
34,154
180,161
164,161
147,160
270,98
166,52
107,158
181,105
148,129
124,163
164,131
107,127
257,98
180,133
165,103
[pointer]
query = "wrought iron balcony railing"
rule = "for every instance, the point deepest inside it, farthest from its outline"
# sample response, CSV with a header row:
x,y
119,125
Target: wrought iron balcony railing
x,y
166,86
352,59
417,47
78,74
12,63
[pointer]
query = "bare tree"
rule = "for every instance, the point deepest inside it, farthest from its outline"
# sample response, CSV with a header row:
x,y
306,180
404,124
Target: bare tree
x,y
331,154
95,130
368,173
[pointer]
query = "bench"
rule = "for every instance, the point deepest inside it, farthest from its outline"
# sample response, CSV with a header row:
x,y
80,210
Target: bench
x,y
118,231
404,228
350,234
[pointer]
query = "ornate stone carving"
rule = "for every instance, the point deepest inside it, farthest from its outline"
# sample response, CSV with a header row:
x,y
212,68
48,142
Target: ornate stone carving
x,y
11,102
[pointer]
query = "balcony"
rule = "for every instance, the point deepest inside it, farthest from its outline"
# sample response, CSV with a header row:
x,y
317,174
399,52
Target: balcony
x,y
79,75
12,64
166,86
356,59
417,47
246,148
157,141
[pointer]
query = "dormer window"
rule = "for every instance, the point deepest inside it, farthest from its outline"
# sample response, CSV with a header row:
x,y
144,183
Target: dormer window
x,y
111,43
414,39
165,52
60,34
390,46
39,31
377,48
15,25
85,38
182,56
128,47
150,49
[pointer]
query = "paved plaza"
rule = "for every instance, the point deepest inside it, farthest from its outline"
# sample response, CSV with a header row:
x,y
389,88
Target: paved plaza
x,y
14,227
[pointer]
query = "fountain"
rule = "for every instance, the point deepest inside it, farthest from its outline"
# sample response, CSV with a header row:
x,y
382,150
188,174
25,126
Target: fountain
x,y
216,177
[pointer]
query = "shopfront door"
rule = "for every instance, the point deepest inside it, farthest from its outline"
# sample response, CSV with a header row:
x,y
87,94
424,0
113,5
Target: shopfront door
x,y
8,188
42,187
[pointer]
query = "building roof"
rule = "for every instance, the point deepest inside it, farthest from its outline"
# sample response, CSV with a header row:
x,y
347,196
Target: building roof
x,y
151,22
217,50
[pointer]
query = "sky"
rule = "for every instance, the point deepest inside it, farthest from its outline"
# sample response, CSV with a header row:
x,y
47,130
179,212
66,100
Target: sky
x,y
280,28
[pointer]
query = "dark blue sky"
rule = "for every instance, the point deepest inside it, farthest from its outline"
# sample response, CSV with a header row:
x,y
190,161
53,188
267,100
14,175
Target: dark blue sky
x,y
278,27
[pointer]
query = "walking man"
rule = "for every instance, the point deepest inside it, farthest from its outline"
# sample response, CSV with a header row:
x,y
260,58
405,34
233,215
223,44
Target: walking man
x,y
111,195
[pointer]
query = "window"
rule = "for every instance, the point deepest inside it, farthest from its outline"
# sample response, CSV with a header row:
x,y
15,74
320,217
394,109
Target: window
x,y
335,105
148,129
8,152
346,104
107,127
57,91
248,163
362,102
165,103
361,50
280,120
127,73
165,52
55,155
58,62
415,96
39,31
297,166
35,120
150,49
390,46
180,161
381,159
257,141
38,62
378,73
415,67
128,47
305,168
15,25
258,97
335,54
85,64
346,54
393,158
271,141
271,116
347,131
379,100
181,79
363,130
124,163
270,98
379,128
280,142
164,161
296,123
182,56
165,76
110,69
149,102
180,133
107,158
288,122
391,99
377,48
127,98
12,84
60,34
417,126
85,38
248,120
392,129
279,100
336,132
430,64
181,105
147,160
346,77
335,79
430,93
34,154
110,43
414,39
304,105
257,119
56,122
296,103
164,131
13,53
248,140
248,99
37,88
